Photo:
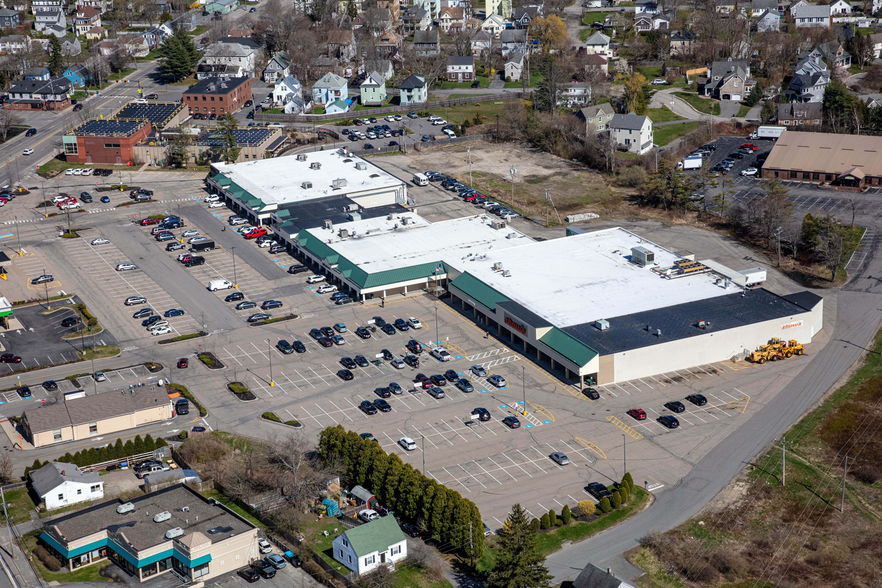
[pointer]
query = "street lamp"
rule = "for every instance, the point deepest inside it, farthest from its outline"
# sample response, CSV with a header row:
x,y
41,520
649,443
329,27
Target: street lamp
x,y
469,151
437,338
524,383
235,283
513,171
270,353
625,448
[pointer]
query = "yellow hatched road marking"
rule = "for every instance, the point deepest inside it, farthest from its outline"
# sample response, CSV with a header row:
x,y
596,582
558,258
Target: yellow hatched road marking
x,y
592,447
740,405
624,427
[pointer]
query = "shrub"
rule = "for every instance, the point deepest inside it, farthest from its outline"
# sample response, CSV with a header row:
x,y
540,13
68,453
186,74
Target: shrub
x,y
544,523
604,505
238,388
632,177
586,508
90,319
535,525
47,559
185,392
293,423
206,359
628,479
565,515
558,522
868,474
182,435
477,120
616,501
271,416
624,493
552,517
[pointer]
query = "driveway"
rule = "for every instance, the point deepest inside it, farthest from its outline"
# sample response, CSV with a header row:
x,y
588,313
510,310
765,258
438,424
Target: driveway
x,y
666,99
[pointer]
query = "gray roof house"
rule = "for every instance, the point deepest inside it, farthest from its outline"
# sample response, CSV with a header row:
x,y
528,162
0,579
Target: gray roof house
x,y
380,66
769,20
329,88
594,577
44,19
632,132
276,68
811,15
427,42
60,484
8,18
414,90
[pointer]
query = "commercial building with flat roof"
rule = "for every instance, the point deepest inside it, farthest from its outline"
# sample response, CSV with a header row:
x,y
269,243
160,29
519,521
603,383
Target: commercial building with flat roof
x,y
105,140
846,161
171,529
263,190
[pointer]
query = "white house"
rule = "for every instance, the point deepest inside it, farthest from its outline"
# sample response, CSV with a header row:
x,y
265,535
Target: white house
x,y
810,15
597,44
60,484
239,52
840,8
514,67
286,90
329,88
460,69
368,546
413,90
494,24
876,44
632,132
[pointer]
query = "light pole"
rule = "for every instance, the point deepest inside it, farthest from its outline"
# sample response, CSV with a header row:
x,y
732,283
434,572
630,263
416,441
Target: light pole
x,y
524,384
625,448
513,171
469,151
94,381
423,450
270,353
235,283
437,339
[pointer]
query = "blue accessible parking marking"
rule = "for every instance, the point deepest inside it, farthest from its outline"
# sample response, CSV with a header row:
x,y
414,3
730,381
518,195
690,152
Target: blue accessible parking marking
x,y
483,392
312,287
547,422
459,357
528,426
520,401
504,406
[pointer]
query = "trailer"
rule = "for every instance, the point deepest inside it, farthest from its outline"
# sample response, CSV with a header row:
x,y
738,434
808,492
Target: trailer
x,y
767,133
202,246
691,162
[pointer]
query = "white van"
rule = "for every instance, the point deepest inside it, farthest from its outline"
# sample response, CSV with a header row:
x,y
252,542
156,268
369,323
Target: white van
x,y
420,180
450,133
219,285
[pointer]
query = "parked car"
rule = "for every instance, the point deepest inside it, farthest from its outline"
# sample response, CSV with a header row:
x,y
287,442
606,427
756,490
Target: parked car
x,y
368,515
637,413
407,443
368,407
697,399
598,491
478,371
497,381
559,458
675,406
511,422
670,421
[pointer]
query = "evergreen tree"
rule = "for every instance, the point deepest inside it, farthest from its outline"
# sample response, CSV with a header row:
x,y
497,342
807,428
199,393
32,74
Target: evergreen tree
x,y
351,9
56,59
67,458
544,522
365,464
616,501
139,445
387,492
624,492
628,479
552,517
565,515
518,565
129,448
179,55
149,443
604,505
755,96
535,525
118,450
409,487
430,487
227,125
768,113
436,520
381,466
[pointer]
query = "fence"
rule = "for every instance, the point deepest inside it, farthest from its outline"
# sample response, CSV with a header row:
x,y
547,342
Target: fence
x,y
319,118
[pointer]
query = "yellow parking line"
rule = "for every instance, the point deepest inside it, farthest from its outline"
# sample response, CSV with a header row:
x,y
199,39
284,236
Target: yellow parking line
x,y
624,427
740,405
592,447
541,409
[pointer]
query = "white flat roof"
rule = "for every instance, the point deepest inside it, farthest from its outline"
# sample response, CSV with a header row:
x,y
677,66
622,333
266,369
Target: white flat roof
x,y
582,278
280,180
379,246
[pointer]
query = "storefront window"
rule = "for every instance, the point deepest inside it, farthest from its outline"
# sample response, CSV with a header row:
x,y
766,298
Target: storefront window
x,y
200,571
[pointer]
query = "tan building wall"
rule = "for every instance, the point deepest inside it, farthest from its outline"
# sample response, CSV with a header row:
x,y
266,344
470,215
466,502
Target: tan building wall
x,y
106,426
232,554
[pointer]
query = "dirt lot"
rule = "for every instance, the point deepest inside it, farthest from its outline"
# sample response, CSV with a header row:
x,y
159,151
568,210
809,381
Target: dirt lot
x,y
572,187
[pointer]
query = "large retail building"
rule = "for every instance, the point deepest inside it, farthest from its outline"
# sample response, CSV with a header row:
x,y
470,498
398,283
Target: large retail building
x,y
603,307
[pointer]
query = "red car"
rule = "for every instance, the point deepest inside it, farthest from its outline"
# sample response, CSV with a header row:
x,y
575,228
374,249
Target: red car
x,y
149,221
638,414
259,232
182,363
748,145
10,358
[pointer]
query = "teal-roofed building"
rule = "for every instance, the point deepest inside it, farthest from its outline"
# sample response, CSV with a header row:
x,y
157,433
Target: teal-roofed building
x,y
171,529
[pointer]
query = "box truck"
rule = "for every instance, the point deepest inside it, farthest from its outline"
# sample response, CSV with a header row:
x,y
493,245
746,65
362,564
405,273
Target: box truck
x,y
767,133
691,162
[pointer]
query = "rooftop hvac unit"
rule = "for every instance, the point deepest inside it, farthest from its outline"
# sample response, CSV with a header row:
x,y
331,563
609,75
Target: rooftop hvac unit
x,y
497,266
351,208
506,273
361,165
497,224
642,256
339,183
510,236
306,185
315,165
354,216
301,157
163,516
329,224
404,220
344,233
124,508
602,325
172,533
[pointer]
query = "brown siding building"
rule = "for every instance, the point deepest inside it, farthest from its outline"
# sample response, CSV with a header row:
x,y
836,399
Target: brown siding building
x,y
216,96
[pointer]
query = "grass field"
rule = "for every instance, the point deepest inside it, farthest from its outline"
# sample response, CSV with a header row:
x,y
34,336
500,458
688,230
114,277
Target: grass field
x,y
742,111
232,505
19,505
99,352
658,115
705,105
121,73
667,133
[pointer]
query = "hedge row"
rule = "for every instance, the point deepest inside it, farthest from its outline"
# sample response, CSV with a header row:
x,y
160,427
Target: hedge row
x,y
443,512
271,416
91,320
119,450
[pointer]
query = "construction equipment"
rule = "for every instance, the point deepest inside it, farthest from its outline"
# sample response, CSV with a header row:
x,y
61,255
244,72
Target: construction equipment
x,y
764,353
775,350
792,348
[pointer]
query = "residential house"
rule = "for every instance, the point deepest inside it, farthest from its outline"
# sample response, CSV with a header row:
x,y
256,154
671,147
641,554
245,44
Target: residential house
x,y
40,95
44,19
329,88
473,24
597,44
276,68
62,484
14,43
389,42
616,22
514,66
833,54
86,18
427,42
575,94
596,118
240,52
157,35
481,41
433,7
96,34
840,8
71,46
451,18
808,87
102,5
682,42
36,74
8,18
460,69
338,106
523,16
758,6
646,7
216,96
494,25
221,71
341,44
373,90
287,89
367,547
221,6
796,114
728,80
413,90
810,15
592,60
58,5
873,100
135,46
513,40
380,66
876,44
643,23
416,18
632,132
501,8
78,74
594,577
661,22
768,21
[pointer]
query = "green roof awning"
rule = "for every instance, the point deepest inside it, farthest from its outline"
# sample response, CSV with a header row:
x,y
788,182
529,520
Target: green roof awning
x,y
479,291
568,347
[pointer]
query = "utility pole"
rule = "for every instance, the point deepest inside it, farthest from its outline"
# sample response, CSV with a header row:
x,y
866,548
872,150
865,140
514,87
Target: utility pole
x,y
9,526
784,444
235,283
46,285
270,352
18,234
513,171
437,338
844,471
524,384
546,209
778,238
469,151
423,450
625,448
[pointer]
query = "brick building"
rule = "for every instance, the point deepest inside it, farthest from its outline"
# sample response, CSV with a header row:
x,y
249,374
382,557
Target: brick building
x,y
216,96
105,141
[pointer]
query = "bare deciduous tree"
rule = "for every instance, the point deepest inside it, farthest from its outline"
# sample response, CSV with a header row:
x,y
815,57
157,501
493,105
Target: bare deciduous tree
x,y
7,120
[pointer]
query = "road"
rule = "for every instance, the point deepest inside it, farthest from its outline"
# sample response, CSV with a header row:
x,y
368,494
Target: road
x,y
858,317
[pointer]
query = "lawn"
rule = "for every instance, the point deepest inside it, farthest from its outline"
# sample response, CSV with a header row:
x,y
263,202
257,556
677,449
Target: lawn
x,y
742,111
324,544
19,505
535,80
650,72
658,115
469,96
445,85
99,352
198,30
408,576
457,114
54,165
705,105
153,55
667,133
592,17
121,73
84,574
232,505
